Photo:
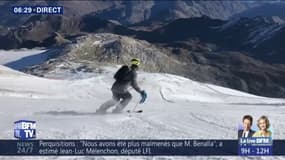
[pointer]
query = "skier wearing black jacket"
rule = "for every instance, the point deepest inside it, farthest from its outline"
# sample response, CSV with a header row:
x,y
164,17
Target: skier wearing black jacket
x,y
125,77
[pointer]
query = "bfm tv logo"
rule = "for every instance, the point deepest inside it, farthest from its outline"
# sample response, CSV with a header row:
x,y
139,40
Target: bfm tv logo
x,y
25,129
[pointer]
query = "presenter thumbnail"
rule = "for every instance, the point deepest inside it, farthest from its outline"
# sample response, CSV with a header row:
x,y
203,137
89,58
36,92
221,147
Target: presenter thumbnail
x,y
263,124
246,131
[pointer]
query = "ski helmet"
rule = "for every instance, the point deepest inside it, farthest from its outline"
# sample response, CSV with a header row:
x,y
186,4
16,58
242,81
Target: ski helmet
x,y
135,61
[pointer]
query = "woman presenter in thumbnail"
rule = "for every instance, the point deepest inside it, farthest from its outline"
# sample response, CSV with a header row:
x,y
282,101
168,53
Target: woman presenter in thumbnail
x,y
263,125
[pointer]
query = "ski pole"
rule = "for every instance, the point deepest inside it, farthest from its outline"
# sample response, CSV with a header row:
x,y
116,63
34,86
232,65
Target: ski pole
x,y
136,106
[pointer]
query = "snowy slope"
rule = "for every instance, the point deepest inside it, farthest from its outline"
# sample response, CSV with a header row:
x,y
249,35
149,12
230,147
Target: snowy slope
x,y
8,56
176,108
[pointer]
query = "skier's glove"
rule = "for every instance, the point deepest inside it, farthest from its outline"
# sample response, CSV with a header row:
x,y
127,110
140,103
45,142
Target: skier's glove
x,y
143,97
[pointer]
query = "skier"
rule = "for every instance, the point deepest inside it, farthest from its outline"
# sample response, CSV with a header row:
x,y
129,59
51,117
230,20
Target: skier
x,y
125,77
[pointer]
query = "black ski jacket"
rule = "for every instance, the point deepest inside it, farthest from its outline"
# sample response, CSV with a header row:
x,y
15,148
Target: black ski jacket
x,y
130,80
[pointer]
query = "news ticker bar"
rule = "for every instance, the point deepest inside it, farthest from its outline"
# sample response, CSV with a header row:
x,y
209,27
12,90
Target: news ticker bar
x,y
127,147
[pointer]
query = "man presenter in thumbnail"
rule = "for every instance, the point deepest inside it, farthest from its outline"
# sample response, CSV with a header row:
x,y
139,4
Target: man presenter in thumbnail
x,y
246,132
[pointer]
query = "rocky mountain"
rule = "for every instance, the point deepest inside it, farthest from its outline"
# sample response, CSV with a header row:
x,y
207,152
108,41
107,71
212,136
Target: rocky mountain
x,y
131,12
259,37
95,50
230,69
183,30
137,12
45,30
275,8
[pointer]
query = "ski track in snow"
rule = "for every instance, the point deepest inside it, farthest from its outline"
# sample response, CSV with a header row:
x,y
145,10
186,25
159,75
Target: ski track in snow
x,y
205,119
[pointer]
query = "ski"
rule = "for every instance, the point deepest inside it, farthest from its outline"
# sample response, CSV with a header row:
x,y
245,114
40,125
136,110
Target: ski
x,y
134,111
